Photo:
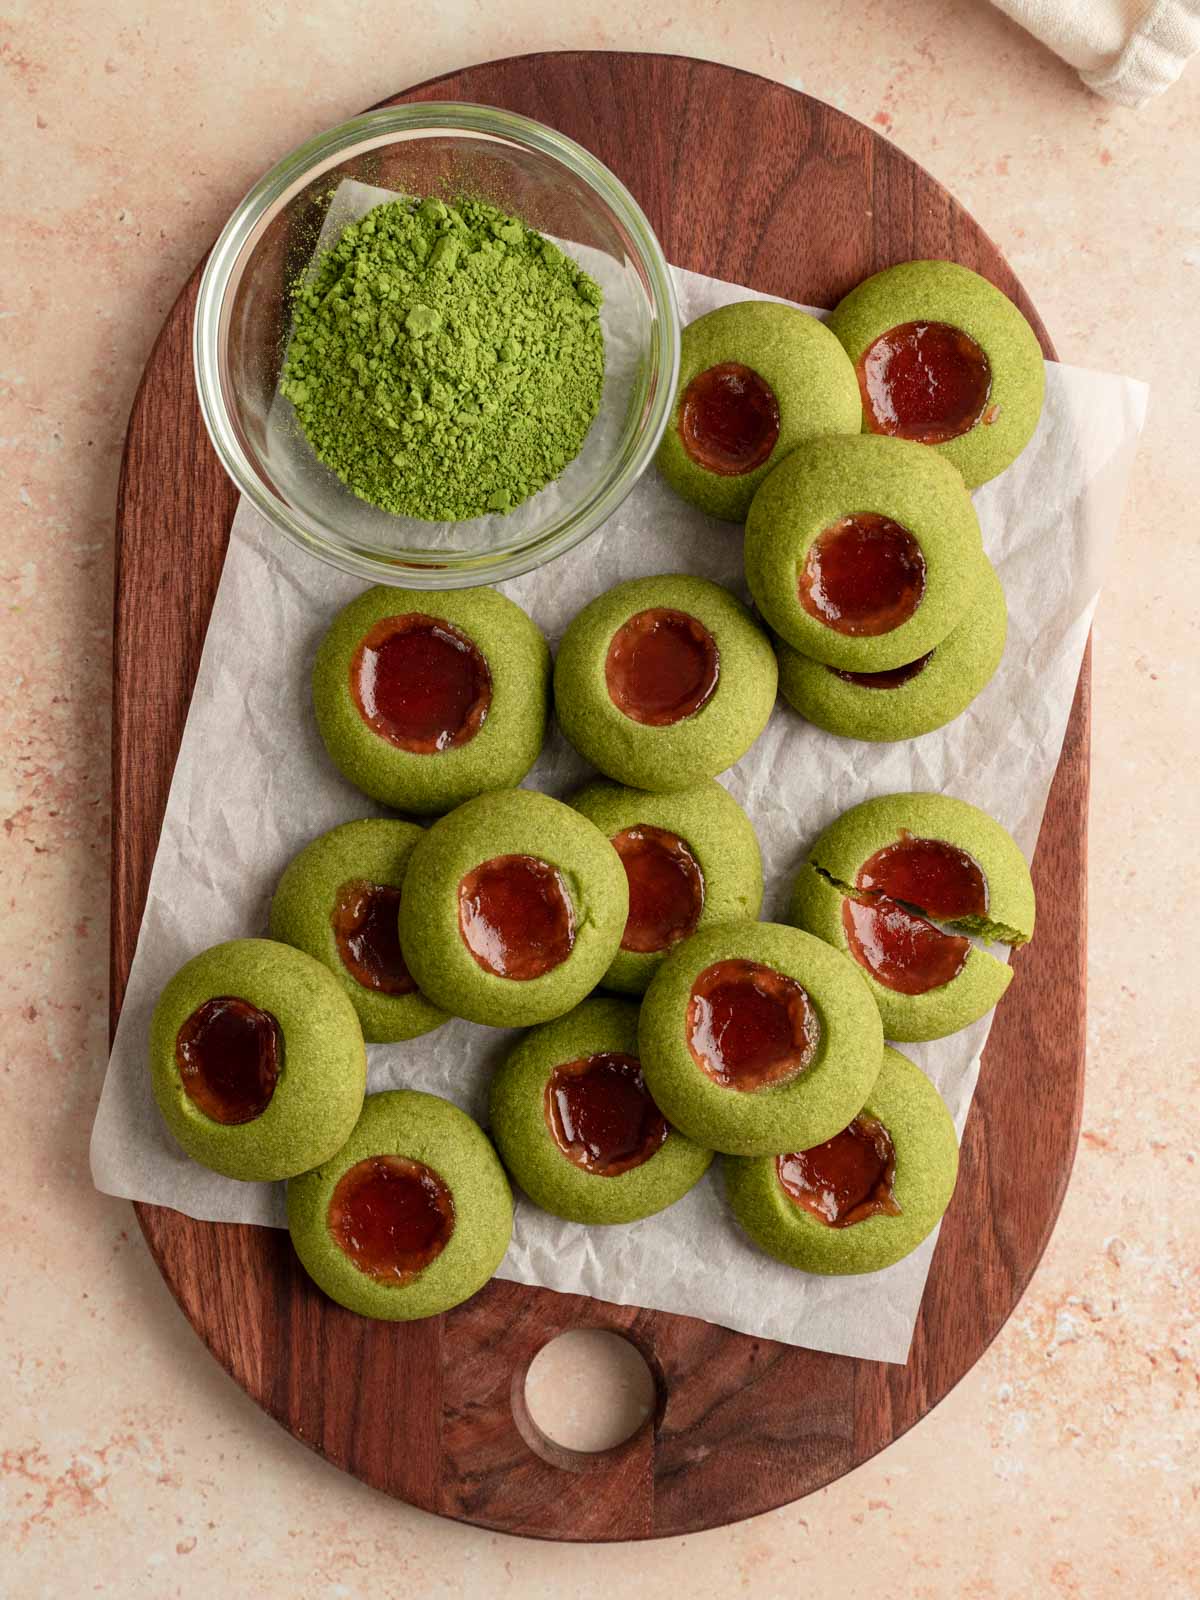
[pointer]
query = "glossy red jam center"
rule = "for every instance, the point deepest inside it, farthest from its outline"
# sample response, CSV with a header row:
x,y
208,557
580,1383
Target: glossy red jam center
x,y
925,381
420,684
661,666
901,950
516,916
848,1178
863,575
391,1216
666,888
729,419
749,1026
930,875
365,927
885,680
229,1054
601,1115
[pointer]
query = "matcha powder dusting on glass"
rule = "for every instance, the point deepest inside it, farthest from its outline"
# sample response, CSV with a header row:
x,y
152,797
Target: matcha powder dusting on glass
x,y
445,361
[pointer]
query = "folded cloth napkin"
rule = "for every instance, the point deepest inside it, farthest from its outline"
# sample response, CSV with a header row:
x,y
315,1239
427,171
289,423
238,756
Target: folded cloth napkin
x,y
1126,50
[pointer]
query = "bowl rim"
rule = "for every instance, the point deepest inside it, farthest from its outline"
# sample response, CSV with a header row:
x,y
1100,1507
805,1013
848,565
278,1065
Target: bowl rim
x,y
295,170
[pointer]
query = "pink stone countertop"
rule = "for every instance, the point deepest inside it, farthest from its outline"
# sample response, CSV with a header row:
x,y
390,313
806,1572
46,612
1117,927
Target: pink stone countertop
x,y
1066,1464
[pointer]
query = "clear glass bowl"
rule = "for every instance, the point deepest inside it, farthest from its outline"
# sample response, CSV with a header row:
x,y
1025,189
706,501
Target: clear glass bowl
x,y
243,318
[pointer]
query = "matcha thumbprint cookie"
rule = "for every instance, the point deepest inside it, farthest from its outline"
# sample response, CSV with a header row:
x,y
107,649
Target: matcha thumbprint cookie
x,y
755,380
907,701
756,1039
339,900
412,1215
865,1198
863,553
692,858
577,1127
512,910
662,682
257,1060
943,358
902,884
425,698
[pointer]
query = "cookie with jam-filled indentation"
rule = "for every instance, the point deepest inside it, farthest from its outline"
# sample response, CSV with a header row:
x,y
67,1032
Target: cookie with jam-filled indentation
x,y
425,698
577,1127
902,884
411,1216
864,1199
755,380
339,900
512,910
692,858
257,1060
909,700
756,1038
662,682
945,359
865,552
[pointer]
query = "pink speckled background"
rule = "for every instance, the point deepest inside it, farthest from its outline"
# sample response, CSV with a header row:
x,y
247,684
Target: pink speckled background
x,y
1067,1463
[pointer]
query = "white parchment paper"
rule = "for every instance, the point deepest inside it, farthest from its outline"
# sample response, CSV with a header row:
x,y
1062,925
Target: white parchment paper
x,y
252,785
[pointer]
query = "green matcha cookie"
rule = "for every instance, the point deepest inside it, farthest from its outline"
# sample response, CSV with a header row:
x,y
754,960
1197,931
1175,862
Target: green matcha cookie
x,y
257,1060
577,1128
691,858
901,884
909,700
944,358
755,380
865,552
754,1041
662,682
426,698
339,901
865,1199
411,1216
513,909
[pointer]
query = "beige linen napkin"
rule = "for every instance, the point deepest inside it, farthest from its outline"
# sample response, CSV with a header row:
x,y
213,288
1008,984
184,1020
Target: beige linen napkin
x,y
1125,50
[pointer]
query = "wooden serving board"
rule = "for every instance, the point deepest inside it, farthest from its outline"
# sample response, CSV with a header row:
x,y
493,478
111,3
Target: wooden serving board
x,y
745,180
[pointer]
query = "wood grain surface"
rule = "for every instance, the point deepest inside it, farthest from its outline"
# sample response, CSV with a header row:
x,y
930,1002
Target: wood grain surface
x,y
749,181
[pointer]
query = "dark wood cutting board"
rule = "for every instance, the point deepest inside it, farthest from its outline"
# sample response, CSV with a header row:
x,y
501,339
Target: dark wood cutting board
x,y
749,181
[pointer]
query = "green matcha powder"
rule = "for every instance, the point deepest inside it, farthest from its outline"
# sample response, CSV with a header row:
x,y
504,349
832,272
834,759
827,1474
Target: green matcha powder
x,y
445,361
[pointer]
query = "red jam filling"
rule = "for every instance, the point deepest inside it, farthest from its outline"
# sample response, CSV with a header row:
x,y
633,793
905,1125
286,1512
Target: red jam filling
x,y
666,888
366,929
420,684
925,381
847,1179
601,1114
391,1216
729,419
863,575
516,916
885,680
749,1026
661,666
929,874
229,1054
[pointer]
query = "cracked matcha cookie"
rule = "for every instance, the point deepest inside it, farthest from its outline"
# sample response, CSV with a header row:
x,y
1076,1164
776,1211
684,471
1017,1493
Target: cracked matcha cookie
x,y
755,380
867,1197
865,552
339,900
902,884
411,1216
426,698
662,682
577,1128
257,1060
757,1039
910,700
691,858
512,910
943,358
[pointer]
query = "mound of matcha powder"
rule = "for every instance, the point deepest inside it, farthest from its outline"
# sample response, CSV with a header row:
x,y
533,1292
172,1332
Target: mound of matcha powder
x,y
445,361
